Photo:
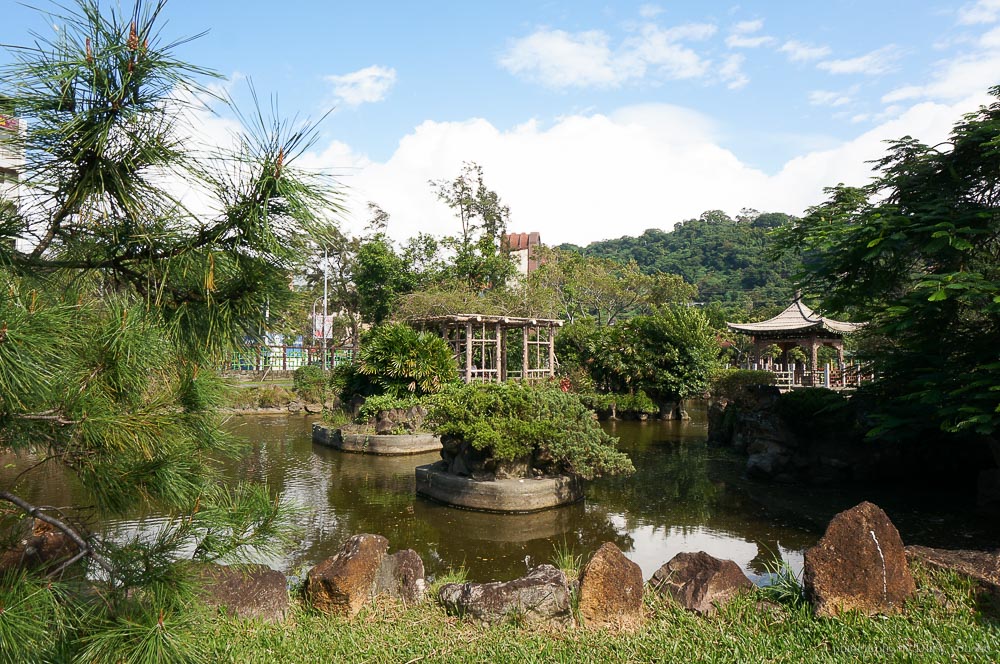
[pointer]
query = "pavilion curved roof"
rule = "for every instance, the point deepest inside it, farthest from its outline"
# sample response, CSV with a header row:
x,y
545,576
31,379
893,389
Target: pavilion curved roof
x,y
796,318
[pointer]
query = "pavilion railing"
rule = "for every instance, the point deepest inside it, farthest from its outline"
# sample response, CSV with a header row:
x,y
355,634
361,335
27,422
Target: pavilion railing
x,y
836,377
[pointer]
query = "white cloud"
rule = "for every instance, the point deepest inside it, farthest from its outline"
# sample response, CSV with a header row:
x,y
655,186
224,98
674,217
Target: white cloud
x,y
801,52
971,73
732,72
367,85
828,98
879,61
649,11
560,59
595,176
982,11
743,35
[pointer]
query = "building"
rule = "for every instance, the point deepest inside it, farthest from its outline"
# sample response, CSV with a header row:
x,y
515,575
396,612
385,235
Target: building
x,y
522,247
11,152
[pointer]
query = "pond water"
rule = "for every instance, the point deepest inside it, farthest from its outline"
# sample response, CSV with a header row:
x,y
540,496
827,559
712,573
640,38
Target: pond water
x,y
683,497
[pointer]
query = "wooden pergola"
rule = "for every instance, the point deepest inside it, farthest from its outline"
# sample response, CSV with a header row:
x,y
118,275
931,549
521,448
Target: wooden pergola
x,y
798,325
481,343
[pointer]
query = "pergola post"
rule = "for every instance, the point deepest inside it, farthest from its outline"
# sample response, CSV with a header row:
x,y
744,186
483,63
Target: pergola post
x,y
524,354
552,352
468,352
501,359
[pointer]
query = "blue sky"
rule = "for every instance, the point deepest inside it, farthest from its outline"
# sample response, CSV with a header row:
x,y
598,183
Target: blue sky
x,y
597,119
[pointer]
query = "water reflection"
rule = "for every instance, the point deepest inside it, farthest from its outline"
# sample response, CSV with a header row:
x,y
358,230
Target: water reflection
x,y
683,497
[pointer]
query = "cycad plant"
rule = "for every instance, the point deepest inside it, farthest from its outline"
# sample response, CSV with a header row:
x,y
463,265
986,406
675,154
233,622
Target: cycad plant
x,y
116,300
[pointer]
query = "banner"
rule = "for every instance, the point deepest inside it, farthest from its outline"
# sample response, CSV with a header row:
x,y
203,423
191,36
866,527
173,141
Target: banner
x,y
320,329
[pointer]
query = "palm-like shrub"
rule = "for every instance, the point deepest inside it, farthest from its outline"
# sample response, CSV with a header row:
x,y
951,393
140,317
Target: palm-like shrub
x,y
397,361
510,421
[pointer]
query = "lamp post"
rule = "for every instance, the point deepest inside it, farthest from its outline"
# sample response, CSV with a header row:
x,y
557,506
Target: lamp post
x,y
326,265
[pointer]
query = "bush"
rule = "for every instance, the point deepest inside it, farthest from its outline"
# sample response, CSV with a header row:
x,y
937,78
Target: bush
x,y
511,421
622,403
310,384
376,404
731,382
397,361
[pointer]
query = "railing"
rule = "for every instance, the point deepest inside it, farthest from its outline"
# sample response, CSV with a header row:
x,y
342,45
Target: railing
x,y
835,377
288,358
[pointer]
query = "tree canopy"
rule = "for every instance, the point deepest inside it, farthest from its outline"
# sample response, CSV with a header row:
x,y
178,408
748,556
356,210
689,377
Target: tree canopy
x,y
917,253
116,300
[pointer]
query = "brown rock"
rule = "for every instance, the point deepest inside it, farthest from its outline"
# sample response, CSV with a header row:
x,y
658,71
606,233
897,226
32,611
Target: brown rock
x,y
611,589
401,575
982,567
700,582
44,548
858,565
341,585
540,597
247,591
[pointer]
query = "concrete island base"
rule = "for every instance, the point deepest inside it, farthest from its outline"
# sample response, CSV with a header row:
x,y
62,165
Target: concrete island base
x,y
510,495
418,443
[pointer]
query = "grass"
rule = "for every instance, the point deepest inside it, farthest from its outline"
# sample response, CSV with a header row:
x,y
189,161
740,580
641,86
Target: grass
x,y
941,624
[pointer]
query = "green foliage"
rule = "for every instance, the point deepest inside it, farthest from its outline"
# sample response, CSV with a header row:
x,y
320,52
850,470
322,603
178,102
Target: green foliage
x,y
397,361
727,260
669,354
784,586
729,383
310,384
109,322
480,259
512,420
917,253
602,289
380,276
378,403
622,403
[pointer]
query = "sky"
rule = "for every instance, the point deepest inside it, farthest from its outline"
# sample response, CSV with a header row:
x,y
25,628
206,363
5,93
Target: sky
x,y
592,120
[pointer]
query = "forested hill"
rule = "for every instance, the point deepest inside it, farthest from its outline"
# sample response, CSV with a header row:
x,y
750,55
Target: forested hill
x,y
729,260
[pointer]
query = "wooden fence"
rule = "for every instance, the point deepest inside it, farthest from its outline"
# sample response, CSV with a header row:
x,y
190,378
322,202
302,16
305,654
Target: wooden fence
x,y
834,377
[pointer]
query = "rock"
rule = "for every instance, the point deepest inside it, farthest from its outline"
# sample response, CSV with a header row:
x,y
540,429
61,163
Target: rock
x,y
859,565
342,584
401,575
247,591
45,547
982,567
540,597
295,407
700,582
611,589
313,408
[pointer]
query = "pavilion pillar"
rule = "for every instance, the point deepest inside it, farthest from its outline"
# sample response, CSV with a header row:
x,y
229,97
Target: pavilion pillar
x,y
468,352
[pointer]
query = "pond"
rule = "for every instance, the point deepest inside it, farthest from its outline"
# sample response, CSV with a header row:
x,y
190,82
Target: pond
x,y
683,497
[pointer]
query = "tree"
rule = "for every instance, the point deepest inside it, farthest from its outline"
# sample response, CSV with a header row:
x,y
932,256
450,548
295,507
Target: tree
x,y
917,253
603,289
111,322
480,258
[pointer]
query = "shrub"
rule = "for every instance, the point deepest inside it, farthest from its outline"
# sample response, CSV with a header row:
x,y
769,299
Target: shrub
x,y
512,420
730,382
622,403
374,405
398,361
310,384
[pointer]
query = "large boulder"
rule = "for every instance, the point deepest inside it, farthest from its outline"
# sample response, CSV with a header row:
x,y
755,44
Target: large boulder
x,y
541,596
246,591
342,584
401,575
610,589
858,565
700,582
